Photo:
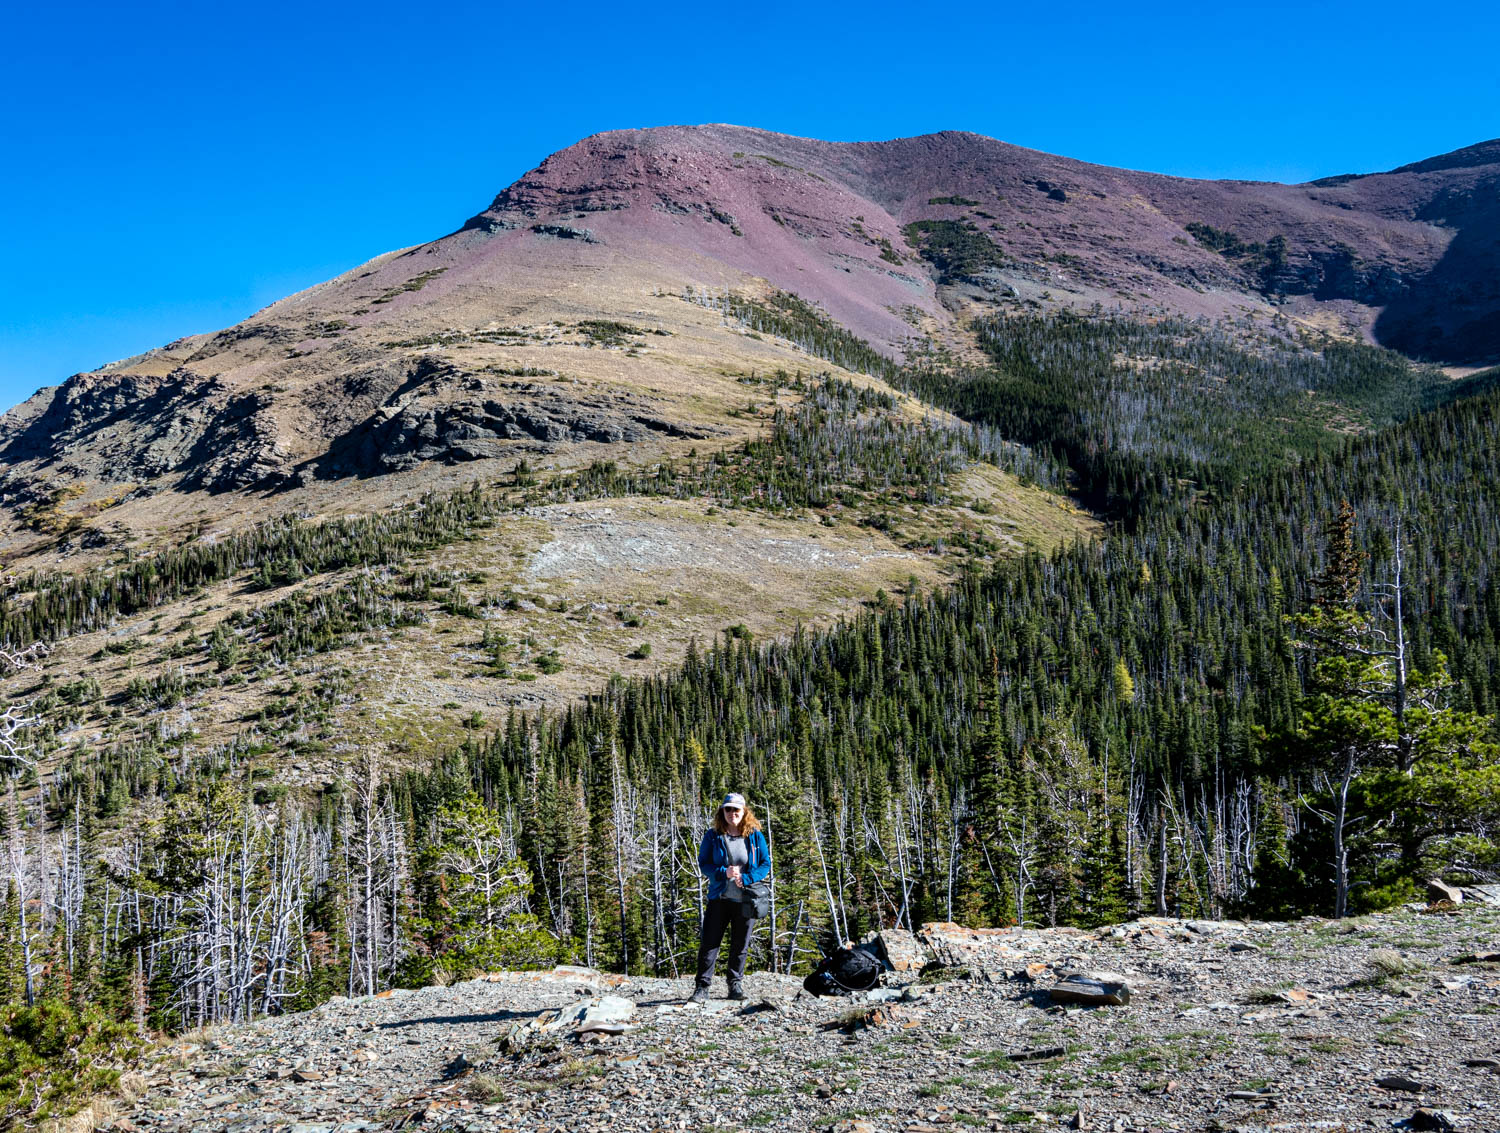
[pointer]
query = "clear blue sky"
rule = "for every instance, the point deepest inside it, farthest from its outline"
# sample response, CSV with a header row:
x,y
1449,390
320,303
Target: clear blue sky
x,y
170,168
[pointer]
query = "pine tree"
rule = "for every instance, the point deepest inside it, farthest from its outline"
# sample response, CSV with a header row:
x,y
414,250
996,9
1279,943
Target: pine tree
x,y
473,895
999,822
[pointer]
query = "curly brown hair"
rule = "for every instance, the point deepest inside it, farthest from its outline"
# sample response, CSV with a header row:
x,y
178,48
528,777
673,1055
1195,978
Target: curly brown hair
x,y
748,822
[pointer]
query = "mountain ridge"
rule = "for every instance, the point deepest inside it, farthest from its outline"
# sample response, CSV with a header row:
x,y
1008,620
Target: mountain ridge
x,y
407,361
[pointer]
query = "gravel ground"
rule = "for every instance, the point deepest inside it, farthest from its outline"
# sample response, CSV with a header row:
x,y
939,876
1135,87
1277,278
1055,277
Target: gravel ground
x,y
1314,1025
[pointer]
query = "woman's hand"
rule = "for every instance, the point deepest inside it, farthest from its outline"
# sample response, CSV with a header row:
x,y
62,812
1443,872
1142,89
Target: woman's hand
x,y
733,874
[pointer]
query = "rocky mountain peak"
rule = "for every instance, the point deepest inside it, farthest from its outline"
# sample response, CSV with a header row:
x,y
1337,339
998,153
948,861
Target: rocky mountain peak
x,y
410,360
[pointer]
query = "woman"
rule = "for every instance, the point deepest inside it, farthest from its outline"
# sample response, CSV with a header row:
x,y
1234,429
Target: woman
x,y
732,855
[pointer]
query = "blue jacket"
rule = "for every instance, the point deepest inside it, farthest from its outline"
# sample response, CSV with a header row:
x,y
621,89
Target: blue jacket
x,y
713,860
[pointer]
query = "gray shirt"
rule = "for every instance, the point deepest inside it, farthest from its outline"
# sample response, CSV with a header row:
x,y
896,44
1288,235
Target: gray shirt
x,y
739,854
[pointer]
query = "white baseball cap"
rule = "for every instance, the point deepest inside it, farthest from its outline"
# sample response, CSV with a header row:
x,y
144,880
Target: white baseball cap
x,y
733,799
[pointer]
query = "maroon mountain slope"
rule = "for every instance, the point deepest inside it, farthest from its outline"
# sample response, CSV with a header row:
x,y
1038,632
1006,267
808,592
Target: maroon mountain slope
x,y
1410,252
477,346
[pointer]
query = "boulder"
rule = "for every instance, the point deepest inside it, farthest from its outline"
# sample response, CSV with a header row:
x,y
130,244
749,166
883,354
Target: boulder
x,y
1091,989
1214,928
900,951
1434,1120
1439,890
611,1015
990,949
1400,1082
1484,894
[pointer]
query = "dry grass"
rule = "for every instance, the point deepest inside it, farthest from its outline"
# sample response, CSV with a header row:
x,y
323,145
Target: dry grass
x,y
486,1088
1388,964
592,580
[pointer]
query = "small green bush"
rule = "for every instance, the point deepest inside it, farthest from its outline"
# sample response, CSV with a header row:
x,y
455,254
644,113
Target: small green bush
x,y
53,1058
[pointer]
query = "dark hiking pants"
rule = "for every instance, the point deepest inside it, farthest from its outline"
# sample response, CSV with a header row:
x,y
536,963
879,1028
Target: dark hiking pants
x,y
719,915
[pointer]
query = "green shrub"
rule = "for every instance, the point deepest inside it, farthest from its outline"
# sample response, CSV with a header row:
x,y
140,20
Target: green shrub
x,y
54,1058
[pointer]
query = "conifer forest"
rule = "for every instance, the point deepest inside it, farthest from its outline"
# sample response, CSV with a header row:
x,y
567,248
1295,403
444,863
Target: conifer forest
x,y
1269,688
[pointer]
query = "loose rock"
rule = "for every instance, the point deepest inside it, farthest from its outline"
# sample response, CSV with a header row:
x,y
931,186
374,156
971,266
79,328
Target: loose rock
x,y
1092,989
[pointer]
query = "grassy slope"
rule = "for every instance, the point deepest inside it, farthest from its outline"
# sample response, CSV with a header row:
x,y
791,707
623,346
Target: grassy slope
x,y
591,580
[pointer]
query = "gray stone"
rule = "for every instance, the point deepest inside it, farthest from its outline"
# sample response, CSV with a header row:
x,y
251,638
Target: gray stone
x,y
1091,989
1435,1120
1484,894
468,1060
610,1014
1400,1082
1038,1054
1209,928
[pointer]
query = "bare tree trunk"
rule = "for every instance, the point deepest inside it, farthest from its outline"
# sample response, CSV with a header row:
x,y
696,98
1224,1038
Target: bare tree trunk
x,y
1340,846
905,909
840,926
624,819
396,861
1161,860
371,901
18,876
791,948
1404,749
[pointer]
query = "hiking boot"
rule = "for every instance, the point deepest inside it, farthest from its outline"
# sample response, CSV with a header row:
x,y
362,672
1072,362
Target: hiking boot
x,y
736,991
700,995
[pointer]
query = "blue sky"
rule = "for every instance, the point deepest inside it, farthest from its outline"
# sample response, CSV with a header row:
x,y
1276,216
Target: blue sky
x,y
170,168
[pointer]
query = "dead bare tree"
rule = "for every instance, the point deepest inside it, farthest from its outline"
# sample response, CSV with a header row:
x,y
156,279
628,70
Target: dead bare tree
x,y
18,719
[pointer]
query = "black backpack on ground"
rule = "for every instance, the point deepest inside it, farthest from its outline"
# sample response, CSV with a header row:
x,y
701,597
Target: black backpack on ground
x,y
847,970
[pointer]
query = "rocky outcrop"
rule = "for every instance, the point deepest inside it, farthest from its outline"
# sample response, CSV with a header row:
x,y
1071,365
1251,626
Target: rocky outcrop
x,y
1295,1035
443,415
117,428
